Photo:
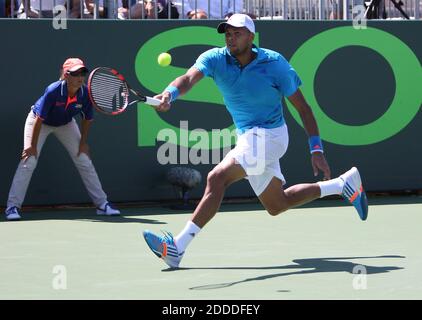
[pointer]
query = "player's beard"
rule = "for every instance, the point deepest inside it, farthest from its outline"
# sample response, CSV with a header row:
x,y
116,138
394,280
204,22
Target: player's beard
x,y
238,52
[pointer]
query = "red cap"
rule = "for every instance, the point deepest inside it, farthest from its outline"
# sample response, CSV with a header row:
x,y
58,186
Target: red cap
x,y
73,64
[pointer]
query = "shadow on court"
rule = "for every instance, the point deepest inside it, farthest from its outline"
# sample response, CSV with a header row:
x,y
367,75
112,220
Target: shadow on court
x,y
131,213
308,266
86,215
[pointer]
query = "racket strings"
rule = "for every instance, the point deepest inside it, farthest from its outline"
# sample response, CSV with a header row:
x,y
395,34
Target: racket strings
x,y
109,92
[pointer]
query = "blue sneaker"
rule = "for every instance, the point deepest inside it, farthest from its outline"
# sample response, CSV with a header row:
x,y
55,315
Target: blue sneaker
x,y
12,214
353,192
164,247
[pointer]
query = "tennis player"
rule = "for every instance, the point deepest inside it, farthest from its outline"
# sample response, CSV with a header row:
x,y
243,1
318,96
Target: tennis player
x,y
253,81
54,113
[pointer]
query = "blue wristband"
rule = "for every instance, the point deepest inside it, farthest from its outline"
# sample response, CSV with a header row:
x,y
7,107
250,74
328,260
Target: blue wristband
x,y
174,92
315,144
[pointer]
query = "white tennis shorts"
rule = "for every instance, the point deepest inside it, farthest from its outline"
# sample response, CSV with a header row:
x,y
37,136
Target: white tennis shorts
x,y
258,151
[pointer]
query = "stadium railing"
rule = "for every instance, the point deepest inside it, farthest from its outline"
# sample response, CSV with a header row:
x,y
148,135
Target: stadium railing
x,y
258,9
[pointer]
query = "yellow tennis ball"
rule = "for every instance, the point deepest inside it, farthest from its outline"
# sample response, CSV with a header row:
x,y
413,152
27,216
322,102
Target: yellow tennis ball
x,y
164,59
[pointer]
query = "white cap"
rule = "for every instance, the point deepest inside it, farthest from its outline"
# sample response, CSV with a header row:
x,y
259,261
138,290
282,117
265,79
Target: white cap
x,y
237,20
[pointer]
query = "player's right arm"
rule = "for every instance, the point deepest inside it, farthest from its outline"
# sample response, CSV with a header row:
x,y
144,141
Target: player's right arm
x,y
183,84
43,106
32,149
204,66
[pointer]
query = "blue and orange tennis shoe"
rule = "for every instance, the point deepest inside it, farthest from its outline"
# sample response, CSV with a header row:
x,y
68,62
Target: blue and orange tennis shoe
x,y
164,247
353,192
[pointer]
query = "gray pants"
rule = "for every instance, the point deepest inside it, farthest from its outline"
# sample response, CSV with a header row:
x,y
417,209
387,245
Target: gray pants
x,y
70,136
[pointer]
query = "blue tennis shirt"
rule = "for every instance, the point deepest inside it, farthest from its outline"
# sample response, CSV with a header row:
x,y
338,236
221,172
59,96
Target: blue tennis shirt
x,y
57,109
252,94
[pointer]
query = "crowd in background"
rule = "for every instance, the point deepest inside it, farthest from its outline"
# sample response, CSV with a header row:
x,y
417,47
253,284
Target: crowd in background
x,y
200,9
123,9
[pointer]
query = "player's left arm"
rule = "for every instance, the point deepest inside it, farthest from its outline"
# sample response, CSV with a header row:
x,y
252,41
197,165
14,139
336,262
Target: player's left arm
x,y
319,163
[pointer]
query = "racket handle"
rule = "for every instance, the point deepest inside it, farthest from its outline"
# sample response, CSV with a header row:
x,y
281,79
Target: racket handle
x,y
152,101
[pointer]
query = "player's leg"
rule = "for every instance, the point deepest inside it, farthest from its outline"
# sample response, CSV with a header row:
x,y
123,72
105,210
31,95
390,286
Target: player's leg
x,y
268,182
223,175
70,136
276,200
268,185
171,249
25,169
349,185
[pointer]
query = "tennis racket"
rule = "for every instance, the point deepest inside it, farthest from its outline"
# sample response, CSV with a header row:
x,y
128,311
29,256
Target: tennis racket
x,y
109,92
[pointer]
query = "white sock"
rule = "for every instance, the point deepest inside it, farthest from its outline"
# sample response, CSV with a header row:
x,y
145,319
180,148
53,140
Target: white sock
x,y
330,187
186,236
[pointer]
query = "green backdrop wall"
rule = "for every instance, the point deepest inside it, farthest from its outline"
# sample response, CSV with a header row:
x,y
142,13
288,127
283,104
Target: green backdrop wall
x,y
365,87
